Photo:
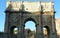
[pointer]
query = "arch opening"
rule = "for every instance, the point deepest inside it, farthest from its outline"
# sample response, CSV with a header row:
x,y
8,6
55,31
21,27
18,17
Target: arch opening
x,y
30,25
30,28
13,30
46,31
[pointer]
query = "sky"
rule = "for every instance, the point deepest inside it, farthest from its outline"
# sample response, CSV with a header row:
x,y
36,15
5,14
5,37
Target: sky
x,y
3,7
30,25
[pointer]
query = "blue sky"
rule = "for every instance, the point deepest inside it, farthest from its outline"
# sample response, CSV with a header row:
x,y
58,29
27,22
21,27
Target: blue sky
x,y
30,25
3,7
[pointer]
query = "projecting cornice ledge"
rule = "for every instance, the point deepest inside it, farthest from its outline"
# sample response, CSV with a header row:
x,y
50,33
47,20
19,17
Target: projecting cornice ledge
x,y
15,11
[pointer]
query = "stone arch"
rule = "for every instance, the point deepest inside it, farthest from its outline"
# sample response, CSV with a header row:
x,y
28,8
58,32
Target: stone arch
x,y
30,19
47,31
33,20
12,29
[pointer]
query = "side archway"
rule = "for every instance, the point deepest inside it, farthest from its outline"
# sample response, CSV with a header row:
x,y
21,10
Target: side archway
x,y
13,30
46,31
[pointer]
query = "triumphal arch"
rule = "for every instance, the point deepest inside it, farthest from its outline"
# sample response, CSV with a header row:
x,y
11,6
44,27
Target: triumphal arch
x,y
18,13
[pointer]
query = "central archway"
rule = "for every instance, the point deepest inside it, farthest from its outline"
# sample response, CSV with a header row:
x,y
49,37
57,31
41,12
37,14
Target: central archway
x,y
30,28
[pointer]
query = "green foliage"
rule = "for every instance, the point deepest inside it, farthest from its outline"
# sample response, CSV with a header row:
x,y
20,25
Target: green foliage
x,y
15,30
29,33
